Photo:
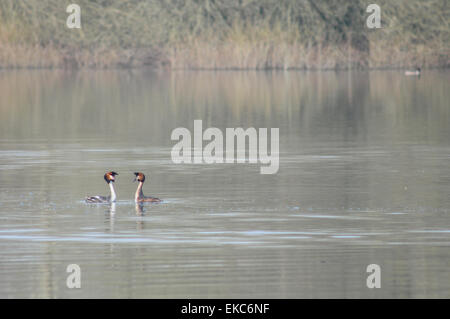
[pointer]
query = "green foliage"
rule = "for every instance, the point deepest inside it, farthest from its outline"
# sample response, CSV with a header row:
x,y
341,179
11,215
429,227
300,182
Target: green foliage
x,y
168,24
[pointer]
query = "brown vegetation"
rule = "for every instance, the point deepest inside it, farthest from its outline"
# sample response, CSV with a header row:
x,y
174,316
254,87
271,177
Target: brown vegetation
x,y
224,34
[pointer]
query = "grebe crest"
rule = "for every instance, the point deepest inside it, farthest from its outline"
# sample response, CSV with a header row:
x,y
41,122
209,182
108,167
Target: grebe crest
x,y
110,177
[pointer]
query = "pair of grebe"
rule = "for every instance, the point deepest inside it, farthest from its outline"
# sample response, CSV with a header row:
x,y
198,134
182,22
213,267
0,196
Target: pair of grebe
x,y
110,178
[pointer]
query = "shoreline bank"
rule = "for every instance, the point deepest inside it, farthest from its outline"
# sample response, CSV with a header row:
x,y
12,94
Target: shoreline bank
x,y
226,57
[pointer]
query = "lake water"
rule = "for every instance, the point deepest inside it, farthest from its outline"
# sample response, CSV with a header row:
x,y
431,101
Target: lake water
x,y
364,178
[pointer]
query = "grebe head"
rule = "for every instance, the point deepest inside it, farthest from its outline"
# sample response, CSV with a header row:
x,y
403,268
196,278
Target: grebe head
x,y
110,177
139,177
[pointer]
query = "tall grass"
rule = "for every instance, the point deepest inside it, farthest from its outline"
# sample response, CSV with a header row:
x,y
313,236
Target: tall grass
x,y
224,34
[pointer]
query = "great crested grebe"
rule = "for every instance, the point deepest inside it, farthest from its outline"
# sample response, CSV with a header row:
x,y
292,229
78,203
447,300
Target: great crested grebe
x,y
109,178
416,72
139,196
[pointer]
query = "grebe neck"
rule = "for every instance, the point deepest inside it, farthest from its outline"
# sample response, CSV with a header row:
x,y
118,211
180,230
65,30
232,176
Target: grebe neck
x,y
113,192
139,193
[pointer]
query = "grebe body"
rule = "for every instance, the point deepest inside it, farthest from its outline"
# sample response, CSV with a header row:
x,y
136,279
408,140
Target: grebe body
x,y
109,178
139,196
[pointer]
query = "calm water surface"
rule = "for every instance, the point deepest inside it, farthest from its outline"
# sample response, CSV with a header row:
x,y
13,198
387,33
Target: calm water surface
x,y
364,178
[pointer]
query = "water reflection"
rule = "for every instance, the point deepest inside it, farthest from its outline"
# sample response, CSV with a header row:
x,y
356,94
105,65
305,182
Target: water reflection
x,y
112,208
145,107
139,209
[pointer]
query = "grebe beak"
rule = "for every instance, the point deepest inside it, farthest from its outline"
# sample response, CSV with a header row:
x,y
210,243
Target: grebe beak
x,y
113,176
135,177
